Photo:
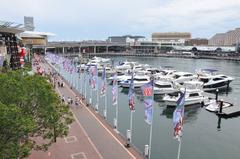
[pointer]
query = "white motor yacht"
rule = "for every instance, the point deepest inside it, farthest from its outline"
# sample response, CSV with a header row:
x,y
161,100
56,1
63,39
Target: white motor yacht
x,y
109,71
192,96
212,81
163,87
165,74
120,78
138,81
181,77
124,66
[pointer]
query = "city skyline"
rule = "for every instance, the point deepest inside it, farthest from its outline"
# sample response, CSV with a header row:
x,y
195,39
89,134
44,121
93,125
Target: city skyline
x,y
88,20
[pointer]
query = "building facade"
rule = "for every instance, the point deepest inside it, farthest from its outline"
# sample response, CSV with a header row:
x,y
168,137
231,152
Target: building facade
x,y
171,38
196,42
230,38
124,39
9,43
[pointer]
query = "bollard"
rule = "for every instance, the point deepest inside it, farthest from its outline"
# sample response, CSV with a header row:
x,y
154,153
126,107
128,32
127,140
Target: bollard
x,y
221,105
90,100
216,98
96,107
115,123
128,138
146,151
104,113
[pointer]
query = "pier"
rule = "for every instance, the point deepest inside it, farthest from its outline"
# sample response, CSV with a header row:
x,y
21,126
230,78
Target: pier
x,y
228,112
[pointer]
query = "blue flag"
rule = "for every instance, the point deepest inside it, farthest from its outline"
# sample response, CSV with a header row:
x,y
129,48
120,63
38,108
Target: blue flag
x,y
147,91
178,115
131,102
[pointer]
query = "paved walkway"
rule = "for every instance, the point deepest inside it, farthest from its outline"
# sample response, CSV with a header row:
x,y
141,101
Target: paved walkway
x,y
90,137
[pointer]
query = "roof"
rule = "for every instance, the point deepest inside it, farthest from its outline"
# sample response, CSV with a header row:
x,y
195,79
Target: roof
x,y
35,34
127,36
11,27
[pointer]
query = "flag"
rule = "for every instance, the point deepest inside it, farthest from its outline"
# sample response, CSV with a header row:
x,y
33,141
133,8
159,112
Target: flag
x,y
114,89
104,86
147,89
178,115
147,92
148,107
131,102
93,76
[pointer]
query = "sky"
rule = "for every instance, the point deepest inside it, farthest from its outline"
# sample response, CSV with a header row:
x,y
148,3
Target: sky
x,y
99,19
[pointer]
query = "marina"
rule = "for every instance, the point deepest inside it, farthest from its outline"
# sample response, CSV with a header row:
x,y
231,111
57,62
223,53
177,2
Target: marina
x,y
195,116
109,79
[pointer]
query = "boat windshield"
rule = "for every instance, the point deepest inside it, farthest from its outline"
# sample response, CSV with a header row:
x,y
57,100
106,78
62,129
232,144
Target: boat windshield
x,y
193,95
163,86
140,79
176,76
217,79
204,80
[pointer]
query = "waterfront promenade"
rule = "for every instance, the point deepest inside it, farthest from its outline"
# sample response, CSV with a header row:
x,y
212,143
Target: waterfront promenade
x,y
90,136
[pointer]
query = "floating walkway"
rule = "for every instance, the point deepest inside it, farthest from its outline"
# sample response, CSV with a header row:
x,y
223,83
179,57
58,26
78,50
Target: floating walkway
x,y
228,112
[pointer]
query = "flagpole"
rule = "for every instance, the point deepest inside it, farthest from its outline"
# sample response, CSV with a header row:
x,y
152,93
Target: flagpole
x,y
179,147
105,111
96,106
91,93
85,86
117,110
80,84
151,129
82,79
131,121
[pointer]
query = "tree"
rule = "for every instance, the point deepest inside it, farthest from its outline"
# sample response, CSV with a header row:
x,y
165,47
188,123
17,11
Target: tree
x,y
33,110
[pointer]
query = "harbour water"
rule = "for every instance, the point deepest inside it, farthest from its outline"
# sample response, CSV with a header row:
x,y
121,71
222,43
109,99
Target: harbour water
x,y
205,135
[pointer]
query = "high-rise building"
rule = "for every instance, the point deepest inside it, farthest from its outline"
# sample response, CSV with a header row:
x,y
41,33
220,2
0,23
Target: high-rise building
x,y
29,23
230,38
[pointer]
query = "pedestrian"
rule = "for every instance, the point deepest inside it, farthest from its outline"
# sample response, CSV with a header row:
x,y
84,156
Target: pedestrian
x,y
76,100
69,100
63,99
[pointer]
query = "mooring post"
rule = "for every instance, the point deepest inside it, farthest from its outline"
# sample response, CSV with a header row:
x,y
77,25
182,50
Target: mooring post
x,y
221,105
216,97
228,82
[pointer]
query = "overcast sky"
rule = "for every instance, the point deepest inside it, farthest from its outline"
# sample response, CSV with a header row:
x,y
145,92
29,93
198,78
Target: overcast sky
x,y
98,19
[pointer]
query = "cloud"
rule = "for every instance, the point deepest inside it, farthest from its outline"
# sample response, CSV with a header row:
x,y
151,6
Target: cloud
x,y
189,15
98,19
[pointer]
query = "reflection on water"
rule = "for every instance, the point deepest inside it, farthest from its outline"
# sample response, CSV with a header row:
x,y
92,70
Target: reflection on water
x,y
190,113
219,123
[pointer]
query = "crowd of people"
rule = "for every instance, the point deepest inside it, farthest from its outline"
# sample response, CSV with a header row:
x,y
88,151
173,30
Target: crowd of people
x,y
55,79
